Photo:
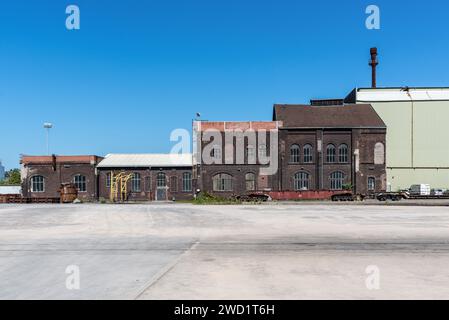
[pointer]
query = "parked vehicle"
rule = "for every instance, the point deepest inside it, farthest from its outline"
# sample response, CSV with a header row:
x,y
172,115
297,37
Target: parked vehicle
x,y
420,190
437,192
393,196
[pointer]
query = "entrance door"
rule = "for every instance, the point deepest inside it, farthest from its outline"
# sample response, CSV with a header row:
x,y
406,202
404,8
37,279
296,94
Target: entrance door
x,y
161,194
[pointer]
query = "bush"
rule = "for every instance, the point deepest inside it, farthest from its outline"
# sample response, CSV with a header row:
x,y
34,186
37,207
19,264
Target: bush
x,y
207,198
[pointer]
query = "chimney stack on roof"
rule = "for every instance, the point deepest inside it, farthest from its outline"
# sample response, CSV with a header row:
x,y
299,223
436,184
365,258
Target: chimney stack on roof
x,y
373,63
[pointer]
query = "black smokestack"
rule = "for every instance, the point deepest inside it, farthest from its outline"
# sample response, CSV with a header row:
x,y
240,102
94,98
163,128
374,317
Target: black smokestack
x,y
373,63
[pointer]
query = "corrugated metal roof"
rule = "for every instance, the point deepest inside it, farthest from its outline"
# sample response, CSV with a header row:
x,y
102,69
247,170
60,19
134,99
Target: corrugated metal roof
x,y
400,94
146,160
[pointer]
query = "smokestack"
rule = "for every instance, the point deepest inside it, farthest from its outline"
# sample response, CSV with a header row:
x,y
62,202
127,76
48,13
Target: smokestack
x,y
373,63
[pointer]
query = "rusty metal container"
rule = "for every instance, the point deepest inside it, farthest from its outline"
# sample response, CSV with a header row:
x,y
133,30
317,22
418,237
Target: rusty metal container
x,y
68,192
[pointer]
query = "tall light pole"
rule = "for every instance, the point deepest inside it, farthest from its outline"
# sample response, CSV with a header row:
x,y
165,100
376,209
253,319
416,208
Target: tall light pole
x,y
47,127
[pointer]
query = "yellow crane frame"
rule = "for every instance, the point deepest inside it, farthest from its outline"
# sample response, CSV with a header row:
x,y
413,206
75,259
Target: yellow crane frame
x,y
119,186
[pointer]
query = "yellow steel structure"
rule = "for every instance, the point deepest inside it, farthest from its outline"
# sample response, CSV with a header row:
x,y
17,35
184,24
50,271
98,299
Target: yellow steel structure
x,y
119,186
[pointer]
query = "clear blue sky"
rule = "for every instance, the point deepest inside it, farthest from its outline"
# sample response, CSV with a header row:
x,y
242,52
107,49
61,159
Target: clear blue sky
x,y
139,69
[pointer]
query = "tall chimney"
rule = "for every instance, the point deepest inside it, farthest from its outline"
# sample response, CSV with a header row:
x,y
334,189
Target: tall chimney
x,y
373,63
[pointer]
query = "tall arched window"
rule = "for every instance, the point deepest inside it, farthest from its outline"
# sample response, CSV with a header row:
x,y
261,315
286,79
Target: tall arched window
x,y
343,153
337,179
379,153
301,181
330,153
136,182
161,180
108,180
371,184
37,184
307,153
222,182
186,182
250,181
80,182
294,153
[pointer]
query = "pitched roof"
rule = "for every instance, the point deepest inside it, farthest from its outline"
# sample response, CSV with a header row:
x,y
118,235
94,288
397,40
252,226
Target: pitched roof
x,y
146,160
345,116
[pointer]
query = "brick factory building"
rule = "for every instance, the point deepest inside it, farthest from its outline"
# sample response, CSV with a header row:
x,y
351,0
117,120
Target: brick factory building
x,y
327,146
318,147
42,176
159,177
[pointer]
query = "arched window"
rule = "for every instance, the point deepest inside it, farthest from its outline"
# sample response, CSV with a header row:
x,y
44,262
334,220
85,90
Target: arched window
x,y
186,182
307,153
301,181
37,184
136,182
174,184
330,153
294,153
222,182
379,153
343,153
250,181
337,180
161,180
80,182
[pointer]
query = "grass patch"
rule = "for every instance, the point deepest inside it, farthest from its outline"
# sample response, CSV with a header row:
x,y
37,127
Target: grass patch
x,y
205,198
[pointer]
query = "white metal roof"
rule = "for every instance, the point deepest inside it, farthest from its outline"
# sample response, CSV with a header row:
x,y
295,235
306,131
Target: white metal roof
x,y
146,160
400,94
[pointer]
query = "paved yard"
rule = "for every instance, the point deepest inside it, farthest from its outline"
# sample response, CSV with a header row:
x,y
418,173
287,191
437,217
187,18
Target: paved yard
x,y
180,251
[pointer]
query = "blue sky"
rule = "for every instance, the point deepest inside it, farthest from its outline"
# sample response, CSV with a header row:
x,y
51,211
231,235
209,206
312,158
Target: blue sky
x,y
136,70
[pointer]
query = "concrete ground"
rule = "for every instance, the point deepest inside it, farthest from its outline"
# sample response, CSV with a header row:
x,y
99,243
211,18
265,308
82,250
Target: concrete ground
x,y
182,251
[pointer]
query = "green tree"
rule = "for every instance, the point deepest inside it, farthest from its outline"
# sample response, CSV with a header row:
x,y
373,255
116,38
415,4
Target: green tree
x,y
12,177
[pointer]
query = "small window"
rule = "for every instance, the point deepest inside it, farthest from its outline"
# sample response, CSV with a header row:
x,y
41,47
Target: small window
x,y
108,180
37,184
136,182
186,182
337,179
222,182
294,153
307,153
161,180
343,153
330,153
174,184
371,184
250,181
301,181
80,183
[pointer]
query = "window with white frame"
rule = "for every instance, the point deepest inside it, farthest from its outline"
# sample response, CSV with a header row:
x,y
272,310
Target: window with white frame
x,y
80,183
330,153
136,182
294,153
337,180
186,182
301,181
343,153
371,184
37,184
161,180
307,153
222,182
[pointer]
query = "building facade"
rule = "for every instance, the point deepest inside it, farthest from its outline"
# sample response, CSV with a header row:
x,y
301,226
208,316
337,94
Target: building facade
x,y
417,124
311,148
42,176
148,177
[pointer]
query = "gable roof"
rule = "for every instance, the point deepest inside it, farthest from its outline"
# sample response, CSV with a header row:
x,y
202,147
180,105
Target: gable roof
x,y
146,160
344,116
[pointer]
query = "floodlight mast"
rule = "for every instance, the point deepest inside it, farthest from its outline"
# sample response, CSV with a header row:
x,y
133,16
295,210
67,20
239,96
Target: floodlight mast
x,y
47,127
